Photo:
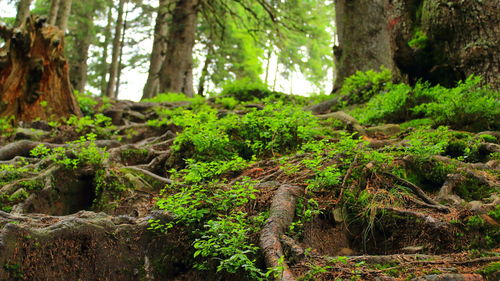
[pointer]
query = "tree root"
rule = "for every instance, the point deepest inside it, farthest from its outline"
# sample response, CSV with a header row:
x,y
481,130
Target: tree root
x,y
446,191
418,191
150,174
347,119
281,216
23,147
427,219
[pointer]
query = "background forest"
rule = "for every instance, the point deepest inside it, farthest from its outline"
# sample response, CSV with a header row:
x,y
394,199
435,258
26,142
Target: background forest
x,y
387,170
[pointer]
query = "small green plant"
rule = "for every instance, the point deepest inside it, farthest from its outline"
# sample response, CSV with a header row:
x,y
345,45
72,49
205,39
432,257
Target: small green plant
x,y
246,90
98,124
227,102
419,40
361,86
80,152
6,126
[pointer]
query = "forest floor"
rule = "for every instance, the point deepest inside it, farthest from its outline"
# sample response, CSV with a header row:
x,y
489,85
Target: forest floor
x,y
209,190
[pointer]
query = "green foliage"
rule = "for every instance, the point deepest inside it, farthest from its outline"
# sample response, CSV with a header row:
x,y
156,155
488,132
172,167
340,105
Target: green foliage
x,y
6,126
198,171
361,86
175,98
468,105
419,40
225,239
90,104
227,102
10,172
99,124
277,128
490,269
224,236
76,154
246,90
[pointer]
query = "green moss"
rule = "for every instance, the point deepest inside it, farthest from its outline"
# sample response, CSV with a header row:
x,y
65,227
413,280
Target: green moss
x,y
419,40
473,189
490,269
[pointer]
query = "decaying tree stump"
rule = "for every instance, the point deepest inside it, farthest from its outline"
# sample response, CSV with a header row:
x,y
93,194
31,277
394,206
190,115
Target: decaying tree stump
x,y
34,76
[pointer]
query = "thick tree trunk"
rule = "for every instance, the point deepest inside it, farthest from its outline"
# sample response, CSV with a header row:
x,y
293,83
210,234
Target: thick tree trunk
x,y
158,52
54,10
456,39
34,80
23,12
113,67
63,15
364,41
176,72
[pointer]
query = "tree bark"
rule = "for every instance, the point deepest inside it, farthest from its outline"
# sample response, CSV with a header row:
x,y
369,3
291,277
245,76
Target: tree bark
x,y
79,66
54,9
120,59
457,39
63,15
113,68
158,52
104,67
176,72
204,71
23,12
364,41
34,78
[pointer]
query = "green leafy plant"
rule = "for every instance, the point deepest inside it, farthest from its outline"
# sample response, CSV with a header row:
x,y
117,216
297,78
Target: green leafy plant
x,y
361,86
80,152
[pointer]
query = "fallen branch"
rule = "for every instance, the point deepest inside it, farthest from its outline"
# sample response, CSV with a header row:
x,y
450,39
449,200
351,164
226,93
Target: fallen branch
x,y
281,216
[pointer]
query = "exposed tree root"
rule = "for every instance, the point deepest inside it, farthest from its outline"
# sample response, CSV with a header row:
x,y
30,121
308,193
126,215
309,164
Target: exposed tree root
x,y
446,191
150,174
23,147
426,218
281,216
347,119
418,191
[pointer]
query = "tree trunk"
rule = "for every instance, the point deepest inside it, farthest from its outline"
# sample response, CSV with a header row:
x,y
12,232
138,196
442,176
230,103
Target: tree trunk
x,y
158,52
113,68
104,67
176,72
79,65
23,12
434,40
34,79
363,37
63,15
120,60
206,65
54,9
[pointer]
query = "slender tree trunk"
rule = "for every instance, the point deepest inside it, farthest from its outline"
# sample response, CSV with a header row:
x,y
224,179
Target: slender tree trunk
x,y
104,68
158,52
54,9
120,60
34,77
23,12
268,64
204,71
63,14
79,66
176,71
113,67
